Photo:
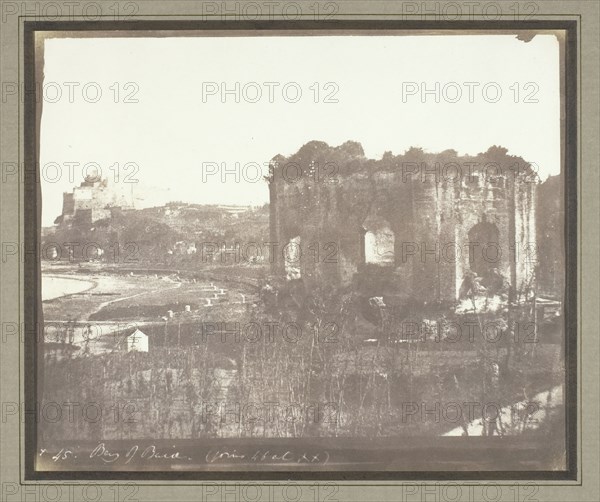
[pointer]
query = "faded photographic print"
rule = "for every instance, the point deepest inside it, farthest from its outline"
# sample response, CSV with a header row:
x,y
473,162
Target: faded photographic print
x,y
301,251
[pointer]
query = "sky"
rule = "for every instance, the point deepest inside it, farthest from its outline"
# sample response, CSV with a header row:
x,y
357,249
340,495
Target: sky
x,y
162,123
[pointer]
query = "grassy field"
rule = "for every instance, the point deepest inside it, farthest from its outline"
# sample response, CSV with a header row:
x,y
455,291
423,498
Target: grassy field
x,y
192,385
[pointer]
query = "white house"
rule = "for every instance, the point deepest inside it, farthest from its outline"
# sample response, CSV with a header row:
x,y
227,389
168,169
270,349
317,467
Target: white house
x,y
137,342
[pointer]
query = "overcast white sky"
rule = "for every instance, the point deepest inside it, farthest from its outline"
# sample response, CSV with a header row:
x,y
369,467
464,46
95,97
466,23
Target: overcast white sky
x,y
170,132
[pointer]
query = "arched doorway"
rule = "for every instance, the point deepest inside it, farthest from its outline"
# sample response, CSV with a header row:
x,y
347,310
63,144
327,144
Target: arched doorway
x,y
484,248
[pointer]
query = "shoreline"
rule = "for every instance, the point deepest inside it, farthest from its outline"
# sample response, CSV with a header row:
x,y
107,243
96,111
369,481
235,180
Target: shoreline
x,y
89,284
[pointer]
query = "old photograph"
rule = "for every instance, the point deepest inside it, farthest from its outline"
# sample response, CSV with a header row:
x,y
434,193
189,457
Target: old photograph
x,y
301,250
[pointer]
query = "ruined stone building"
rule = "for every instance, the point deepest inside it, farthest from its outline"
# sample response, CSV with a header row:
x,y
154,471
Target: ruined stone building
x,y
93,200
551,245
415,226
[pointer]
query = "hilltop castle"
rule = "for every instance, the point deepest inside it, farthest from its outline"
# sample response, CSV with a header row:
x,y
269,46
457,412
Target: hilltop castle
x,y
91,201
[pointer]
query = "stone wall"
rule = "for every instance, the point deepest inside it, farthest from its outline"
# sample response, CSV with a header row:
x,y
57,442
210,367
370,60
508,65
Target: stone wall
x,y
409,226
551,244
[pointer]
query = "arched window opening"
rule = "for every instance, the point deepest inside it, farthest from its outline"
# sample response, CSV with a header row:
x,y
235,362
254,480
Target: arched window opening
x,y
378,242
292,253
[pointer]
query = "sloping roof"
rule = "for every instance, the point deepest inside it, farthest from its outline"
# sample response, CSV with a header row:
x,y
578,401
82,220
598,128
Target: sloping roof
x,y
137,332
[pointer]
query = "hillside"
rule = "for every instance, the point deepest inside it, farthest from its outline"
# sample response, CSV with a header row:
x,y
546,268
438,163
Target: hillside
x,y
174,234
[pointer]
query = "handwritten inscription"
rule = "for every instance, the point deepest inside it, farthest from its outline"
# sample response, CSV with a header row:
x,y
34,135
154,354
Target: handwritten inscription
x,y
103,453
267,456
150,453
106,454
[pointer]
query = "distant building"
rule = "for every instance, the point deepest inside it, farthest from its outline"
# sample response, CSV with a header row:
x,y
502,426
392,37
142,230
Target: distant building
x,y
137,342
92,201
233,210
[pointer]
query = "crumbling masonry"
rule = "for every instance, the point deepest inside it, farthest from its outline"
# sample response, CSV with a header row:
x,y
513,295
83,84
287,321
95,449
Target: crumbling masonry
x,y
416,226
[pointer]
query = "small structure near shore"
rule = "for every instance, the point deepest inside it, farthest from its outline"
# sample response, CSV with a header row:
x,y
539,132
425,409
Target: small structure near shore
x,y
137,342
